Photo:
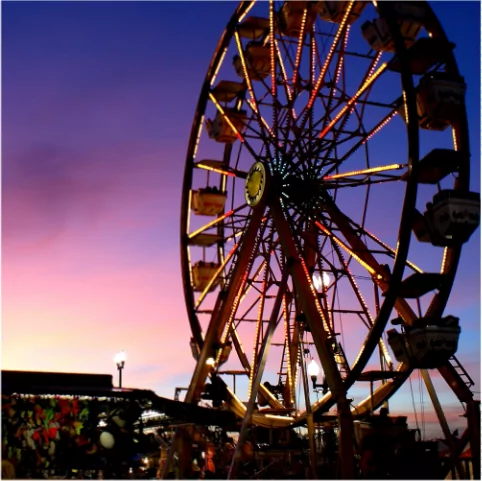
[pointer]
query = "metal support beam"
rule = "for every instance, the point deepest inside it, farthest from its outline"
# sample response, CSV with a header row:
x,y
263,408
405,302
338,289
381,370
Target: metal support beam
x,y
473,421
259,371
443,422
309,417
310,305
224,306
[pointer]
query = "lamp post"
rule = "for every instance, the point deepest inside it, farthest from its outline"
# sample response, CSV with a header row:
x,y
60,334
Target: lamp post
x,y
120,360
313,371
321,281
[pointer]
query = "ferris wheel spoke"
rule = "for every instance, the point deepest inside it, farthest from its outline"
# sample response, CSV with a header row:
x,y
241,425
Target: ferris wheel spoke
x,y
339,66
358,250
365,138
370,176
219,168
368,320
350,104
217,221
252,102
287,88
299,48
274,83
389,249
369,171
329,57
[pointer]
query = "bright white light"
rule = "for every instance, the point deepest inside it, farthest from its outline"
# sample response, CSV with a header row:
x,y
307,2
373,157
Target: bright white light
x,y
313,369
210,361
120,357
319,282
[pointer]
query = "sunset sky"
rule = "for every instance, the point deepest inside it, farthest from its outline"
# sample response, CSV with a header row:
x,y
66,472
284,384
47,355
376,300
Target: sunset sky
x,y
97,105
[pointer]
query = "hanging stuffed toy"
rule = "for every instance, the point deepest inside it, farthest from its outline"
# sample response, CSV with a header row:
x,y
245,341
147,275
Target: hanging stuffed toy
x,y
107,440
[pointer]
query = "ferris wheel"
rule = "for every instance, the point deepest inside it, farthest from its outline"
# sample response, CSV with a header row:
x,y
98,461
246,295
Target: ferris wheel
x,y
324,208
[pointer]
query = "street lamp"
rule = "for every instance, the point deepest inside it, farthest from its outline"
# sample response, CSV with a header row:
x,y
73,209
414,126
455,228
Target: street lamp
x,y
313,372
120,360
319,282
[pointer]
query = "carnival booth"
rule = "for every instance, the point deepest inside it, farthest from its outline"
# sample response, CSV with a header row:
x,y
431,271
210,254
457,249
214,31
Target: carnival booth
x,y
79,426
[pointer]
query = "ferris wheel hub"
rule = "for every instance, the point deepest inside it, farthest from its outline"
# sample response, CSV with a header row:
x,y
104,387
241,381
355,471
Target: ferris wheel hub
x,y
256,184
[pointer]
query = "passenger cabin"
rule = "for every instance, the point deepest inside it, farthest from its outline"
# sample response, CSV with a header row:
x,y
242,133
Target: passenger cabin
x,y
257,59
451,218
291,18
254,27
226,91
202,274
221,130
410,17
333,11
440,99
427,344
208,201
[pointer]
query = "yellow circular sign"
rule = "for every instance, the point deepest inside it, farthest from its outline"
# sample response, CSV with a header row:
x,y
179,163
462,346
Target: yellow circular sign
x,y
255,184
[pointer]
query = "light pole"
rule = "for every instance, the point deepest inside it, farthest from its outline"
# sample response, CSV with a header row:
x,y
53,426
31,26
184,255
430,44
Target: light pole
x,y
120,360
313,371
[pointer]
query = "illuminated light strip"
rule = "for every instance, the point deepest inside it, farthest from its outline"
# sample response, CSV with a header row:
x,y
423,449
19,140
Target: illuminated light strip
x,y
342,57
283,70
272,48
330,53
362,301
213,169
234,308
405,110
215,74
221,110
198,136
255,109
372,170
287,349
241,18
189,203
285,76
350,103
245,70
393,251
215,276
347,249
255,278
300,45
210,224
454,137
313,57
375,62
234,236
259,321
444,261
380,126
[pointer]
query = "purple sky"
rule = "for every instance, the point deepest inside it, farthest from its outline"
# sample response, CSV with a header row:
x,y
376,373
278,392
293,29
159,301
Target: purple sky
x,y
98,100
